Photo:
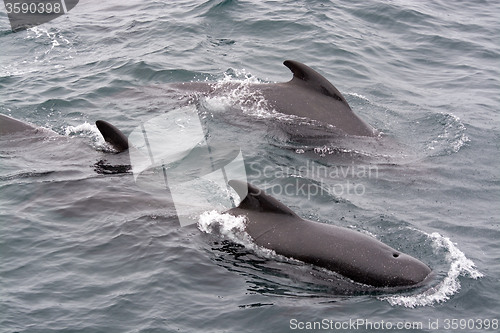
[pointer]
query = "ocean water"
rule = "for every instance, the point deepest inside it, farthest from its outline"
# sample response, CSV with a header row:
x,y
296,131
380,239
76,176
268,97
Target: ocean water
x,y
84,248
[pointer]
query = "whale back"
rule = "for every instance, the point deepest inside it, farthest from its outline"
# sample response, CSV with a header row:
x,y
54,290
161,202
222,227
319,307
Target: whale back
x,y
10,125
348,252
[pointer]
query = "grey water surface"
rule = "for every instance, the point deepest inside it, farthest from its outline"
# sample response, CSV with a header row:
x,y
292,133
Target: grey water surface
x,y
83,248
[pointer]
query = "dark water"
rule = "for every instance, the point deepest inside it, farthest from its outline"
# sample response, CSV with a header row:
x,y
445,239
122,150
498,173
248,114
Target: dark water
x,y
84,248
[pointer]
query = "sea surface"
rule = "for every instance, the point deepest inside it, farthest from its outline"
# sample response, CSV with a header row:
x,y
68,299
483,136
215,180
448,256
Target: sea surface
x,y
85,248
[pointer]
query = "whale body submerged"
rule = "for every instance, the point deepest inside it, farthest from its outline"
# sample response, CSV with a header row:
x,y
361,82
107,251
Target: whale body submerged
x,y
274,226
352,254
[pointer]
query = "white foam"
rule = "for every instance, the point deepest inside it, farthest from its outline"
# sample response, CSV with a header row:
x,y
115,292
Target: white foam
x,y
459,266
88,130
231,228
41,31
81,129
237,92
358,96
228,226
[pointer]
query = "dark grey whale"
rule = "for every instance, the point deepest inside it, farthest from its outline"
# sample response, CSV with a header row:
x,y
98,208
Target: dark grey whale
x,y
308,94
112,135
352,254
15,133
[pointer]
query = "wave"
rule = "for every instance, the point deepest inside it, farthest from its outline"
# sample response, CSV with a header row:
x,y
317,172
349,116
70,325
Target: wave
x,y
232,228
89,131
452,137
460,265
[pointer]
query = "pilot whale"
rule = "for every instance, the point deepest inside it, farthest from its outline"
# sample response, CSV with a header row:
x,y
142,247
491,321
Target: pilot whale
x,y
308,94
352,254
11,126
47,145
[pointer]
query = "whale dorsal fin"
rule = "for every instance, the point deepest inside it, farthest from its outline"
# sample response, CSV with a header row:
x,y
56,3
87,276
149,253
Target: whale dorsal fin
x,y
308,78
112,135
252,198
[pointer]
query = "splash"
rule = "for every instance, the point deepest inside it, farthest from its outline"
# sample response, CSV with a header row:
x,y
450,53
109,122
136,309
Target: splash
x,y
88,130
459,266
52,36
234,90
231,228
453,137
359,96
237,89
49,41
